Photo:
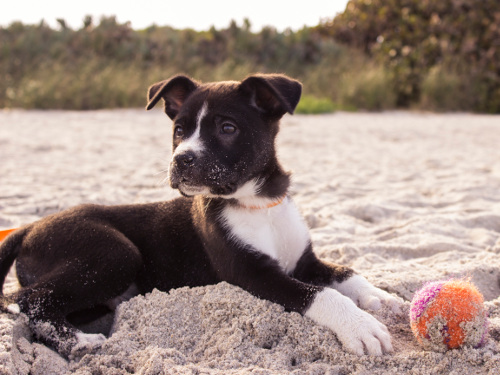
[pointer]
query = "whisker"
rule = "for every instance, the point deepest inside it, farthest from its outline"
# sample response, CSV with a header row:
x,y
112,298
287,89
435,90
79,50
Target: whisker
x,y
161,172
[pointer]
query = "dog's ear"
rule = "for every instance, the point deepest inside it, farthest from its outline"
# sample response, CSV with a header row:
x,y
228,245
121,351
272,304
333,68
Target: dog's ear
x,y
273,94
173,91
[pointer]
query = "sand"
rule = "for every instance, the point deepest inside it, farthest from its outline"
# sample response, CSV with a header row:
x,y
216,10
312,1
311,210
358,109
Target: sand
x,y
403,198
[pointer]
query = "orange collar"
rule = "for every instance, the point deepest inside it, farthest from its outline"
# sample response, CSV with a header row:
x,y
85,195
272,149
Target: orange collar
x,y
269,205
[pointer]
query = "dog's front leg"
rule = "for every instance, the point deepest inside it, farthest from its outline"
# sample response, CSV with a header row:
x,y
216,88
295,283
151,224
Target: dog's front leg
x,y
359,332
367,296
312,270
353,326
262,276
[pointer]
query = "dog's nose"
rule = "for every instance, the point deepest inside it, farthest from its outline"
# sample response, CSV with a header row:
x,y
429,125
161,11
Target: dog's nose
x,y
185,159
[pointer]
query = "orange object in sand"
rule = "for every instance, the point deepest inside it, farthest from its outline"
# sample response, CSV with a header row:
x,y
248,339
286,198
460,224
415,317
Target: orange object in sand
x,y
448,315
4,233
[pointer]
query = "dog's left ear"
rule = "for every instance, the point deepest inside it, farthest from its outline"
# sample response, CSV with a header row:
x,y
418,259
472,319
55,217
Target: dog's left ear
x,y
173,91
273,94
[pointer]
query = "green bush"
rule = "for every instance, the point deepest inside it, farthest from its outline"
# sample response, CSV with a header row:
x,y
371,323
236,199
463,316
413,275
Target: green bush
x,y
413,37
370,89
444,90
311,105
377,55
110,65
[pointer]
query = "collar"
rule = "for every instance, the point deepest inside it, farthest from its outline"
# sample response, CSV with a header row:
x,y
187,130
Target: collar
x,y
272,204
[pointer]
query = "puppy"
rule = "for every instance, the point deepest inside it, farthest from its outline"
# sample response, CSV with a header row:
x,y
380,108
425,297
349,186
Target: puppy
x,y
235,222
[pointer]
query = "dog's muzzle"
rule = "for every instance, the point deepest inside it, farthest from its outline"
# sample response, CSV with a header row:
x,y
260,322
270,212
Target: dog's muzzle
x,y
193,176
182,170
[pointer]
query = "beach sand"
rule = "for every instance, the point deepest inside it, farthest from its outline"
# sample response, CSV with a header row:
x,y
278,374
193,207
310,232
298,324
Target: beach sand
x,y
403,198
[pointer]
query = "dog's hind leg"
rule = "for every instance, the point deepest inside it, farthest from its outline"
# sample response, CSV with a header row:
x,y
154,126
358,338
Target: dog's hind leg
x,y
45,310
104,272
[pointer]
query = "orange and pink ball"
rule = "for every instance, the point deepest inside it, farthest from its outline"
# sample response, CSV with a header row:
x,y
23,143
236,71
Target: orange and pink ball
x,y
448,315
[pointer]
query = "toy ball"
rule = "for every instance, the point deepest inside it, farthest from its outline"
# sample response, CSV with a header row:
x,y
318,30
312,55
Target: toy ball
x,y
448,315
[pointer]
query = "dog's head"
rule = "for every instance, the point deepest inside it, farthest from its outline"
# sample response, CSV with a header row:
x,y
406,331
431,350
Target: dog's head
x,y
224,132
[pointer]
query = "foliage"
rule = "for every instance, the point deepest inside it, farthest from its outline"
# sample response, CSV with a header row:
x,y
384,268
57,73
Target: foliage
x,y
444,91
417,38
370,88
377,55
111,65
311,105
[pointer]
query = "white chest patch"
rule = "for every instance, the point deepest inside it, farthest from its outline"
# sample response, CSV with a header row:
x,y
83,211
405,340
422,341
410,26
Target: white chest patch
x,y
279,232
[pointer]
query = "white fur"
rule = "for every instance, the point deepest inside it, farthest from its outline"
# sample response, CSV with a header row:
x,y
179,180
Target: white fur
x,y
196,190
14,308
194,143
278,232
355,329
90,338
247,194
367,296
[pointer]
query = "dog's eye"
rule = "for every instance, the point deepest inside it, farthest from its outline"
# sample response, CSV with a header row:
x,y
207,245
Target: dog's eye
x,y
228,128
178,131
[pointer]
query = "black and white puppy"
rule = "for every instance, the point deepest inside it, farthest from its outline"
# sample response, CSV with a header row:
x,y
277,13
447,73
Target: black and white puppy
x,y
234,223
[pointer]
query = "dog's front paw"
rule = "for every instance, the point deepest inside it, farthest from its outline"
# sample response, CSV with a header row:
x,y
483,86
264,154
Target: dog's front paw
x,y
367,296
359,332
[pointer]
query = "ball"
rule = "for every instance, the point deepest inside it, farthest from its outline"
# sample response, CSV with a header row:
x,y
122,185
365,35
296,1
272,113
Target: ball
x,y
448,315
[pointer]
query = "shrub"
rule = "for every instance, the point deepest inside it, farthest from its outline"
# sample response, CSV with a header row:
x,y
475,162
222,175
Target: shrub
x,y
371,89
311,105
411,37
444,90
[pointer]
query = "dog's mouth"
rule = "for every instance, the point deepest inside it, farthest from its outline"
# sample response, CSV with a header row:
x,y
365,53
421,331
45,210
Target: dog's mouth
x,y
203,178
189,188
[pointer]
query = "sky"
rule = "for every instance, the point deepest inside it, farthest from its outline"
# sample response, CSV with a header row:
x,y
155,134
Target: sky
x,y
198,15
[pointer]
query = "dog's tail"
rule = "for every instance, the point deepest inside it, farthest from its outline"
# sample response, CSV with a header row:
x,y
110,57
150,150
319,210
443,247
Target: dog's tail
x,y
9,249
